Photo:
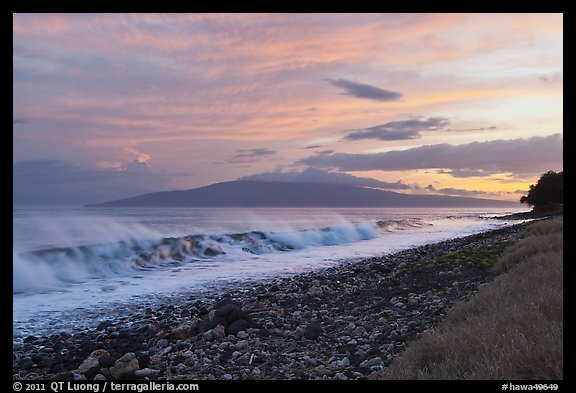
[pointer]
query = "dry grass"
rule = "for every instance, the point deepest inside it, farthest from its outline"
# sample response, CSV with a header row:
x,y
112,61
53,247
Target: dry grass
x,y
511,329
540,237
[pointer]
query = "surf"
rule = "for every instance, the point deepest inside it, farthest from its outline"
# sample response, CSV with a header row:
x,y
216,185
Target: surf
x,y
48,268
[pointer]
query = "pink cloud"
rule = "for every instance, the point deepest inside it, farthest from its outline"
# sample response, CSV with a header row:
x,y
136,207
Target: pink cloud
x,y
96,86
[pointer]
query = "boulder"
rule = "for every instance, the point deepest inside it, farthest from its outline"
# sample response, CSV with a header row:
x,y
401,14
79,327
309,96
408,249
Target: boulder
x,y
125,366
227,314
219,332
185,330
237,326
92,361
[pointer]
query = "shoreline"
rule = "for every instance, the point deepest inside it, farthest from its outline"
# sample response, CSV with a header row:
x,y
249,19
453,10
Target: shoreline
x,y
341,322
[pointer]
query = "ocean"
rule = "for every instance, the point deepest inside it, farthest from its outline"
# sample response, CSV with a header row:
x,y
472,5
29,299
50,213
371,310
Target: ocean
x,y
72,267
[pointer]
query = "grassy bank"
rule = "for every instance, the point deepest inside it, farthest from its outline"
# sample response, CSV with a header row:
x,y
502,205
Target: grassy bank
x,y
511,329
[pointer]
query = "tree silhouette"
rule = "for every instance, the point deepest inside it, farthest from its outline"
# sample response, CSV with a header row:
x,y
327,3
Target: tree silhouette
x,y
547,194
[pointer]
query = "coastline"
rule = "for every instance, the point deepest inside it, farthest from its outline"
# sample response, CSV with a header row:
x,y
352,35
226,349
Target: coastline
x,y
342,322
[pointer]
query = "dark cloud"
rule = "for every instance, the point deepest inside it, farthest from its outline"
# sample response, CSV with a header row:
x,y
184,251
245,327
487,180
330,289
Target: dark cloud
x,y
242,153
313,147
18,121
361,90
248,156
459,191
55,182
551,79
473,129
399,130
464,172
407,129
315,175
517,156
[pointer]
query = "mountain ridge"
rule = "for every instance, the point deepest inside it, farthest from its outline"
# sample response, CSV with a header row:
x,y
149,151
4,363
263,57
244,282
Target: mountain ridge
x,y
247,193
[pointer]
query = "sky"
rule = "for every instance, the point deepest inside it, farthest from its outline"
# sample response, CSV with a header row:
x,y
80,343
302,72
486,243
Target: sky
x,y
109,106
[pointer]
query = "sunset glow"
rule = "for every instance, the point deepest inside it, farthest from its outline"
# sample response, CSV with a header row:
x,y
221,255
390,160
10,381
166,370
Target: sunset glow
x,y
157,102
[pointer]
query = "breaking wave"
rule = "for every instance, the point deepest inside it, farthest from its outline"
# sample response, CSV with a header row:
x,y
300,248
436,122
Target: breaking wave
x,y
47,269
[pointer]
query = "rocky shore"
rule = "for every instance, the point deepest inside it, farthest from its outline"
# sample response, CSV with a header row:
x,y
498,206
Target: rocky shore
x,y
343,322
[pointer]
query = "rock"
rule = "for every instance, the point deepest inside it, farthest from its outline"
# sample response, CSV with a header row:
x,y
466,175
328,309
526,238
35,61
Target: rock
x,y
91,372
208,335
315,291
227,377
185,330
359,331
227,314
240,345
312,331
244,359
92,361
165,351
224,345
237,326
242,335
99,377
341,377
143,360
180,346
64,376
162,343
25,363
210,321
219,332
145,372
125,366
344,362
237,314
299,332
225,309
106,361
78,376
269,325
371,362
